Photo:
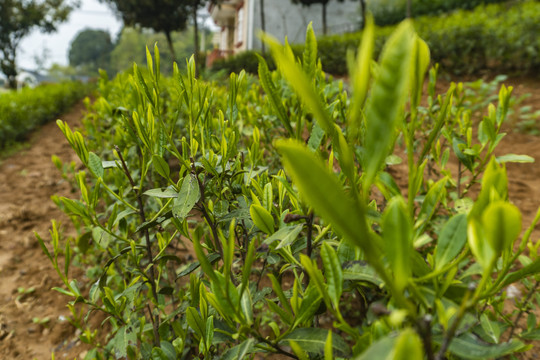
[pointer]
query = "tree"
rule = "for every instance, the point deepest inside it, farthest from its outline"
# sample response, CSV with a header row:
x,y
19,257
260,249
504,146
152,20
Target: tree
x,y
18,18
160,15
324,4
91,49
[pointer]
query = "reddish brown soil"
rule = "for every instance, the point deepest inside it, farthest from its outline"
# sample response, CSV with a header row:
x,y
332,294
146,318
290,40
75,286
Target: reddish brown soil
x,y
27,181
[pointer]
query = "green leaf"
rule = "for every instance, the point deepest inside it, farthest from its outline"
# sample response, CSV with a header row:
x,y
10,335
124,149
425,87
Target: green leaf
x,y
300,82
309,56
380,349
514,159
246,305
451,240
533,268
274,98
286,235
397,235
165,193
360,271
491,328
360,75
161,166
313,340
471,348
188,196
429,205
502,225
95,165
262,218
333,273
211,258
196,322
408,346
322,190
240,351
124,337
387,99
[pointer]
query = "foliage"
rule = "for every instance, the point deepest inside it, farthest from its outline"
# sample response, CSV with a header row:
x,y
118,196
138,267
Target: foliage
x,y
18,18
132,40
389,12
91,49
162,16
24,110
497,38
305,246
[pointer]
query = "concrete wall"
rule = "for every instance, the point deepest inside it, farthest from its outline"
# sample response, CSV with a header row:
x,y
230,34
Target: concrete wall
x,y
283,18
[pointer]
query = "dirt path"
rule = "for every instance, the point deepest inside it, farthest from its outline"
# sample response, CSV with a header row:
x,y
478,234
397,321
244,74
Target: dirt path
x,y
27,181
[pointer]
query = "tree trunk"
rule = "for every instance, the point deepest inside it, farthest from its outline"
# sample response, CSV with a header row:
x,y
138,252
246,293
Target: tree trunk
x,y
196,36
409,8
263,25
170,43
324,28
9,68
363,12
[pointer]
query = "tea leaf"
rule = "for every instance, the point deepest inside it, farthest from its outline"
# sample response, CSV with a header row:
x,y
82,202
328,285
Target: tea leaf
x,y
502,225
161,166
491,328
324,193
286,235
300,83
240,351
309,56
408,346
451,240
333,273
188,196
274,97
360,75
262,218
514,159
380,349
168,192
387,99
95,165
468,347
313,340
195,321
397,235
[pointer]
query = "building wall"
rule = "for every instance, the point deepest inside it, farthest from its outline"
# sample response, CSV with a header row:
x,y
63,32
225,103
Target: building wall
x,y
283,18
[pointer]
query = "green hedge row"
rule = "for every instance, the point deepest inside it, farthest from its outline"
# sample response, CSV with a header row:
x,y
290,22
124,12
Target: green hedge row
x,y
496,37
22,111
390,12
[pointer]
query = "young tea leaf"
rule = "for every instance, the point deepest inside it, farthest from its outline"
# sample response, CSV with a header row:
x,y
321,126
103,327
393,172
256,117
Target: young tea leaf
x,y
451,240
188,196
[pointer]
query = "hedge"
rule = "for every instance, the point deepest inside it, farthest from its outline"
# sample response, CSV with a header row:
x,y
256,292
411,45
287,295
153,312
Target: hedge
x,y
22,111
390,12
496,37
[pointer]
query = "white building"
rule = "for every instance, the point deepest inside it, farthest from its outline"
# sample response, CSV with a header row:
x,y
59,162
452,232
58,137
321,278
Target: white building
x,y
240,21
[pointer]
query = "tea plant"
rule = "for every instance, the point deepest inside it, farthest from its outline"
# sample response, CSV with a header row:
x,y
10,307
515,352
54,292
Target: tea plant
x,y
324,256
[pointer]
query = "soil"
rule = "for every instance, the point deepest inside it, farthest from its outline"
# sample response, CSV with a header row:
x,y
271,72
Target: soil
x,y
34,320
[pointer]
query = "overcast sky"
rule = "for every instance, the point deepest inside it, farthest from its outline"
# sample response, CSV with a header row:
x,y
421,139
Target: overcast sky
x,y
91,14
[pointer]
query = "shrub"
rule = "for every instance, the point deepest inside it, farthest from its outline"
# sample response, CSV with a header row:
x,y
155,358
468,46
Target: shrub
x,y
23,111
390,12
305,245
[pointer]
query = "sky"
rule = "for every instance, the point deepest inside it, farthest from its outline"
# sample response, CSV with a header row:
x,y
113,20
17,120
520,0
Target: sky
x,y
91,14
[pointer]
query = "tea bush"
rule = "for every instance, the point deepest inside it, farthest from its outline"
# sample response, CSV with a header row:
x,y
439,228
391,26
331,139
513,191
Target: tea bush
x,y
24,110
498,38
389,12
284,191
